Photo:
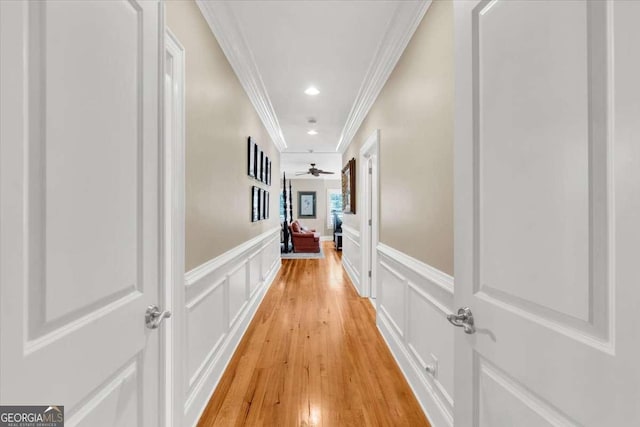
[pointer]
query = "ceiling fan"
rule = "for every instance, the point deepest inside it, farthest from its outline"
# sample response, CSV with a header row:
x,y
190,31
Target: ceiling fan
x,y
313,170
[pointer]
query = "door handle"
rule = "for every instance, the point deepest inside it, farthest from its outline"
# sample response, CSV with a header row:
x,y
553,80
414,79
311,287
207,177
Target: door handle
x,y
153,316
464,319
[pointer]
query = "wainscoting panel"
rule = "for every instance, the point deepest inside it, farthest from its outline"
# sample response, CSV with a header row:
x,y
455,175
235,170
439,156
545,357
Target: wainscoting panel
x,y
221,297
351,254
414,299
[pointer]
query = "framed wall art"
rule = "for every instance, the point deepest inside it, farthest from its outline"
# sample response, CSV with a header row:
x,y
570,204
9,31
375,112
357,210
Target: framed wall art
x,y
251,158
349,187
306,204
255,204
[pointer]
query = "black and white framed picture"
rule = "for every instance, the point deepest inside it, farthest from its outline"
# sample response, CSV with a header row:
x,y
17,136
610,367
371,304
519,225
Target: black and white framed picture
x,y
258,163
261,204
266,205
260,176
269,172
306,204
255,204
251,158
266,170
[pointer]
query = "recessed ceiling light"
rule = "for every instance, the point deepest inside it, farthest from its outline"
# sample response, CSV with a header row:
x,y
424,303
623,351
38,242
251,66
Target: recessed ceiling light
x,y
312,91
312,132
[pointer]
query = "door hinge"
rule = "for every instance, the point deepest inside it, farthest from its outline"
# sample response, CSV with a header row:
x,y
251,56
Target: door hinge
x,y
369,273
369,223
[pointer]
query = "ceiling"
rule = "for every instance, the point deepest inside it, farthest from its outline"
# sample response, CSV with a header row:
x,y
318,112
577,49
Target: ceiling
x,y
325,44
346,49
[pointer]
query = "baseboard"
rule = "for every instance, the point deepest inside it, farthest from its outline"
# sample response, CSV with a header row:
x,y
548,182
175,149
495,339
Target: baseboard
x,y
257,260
351,272
435,410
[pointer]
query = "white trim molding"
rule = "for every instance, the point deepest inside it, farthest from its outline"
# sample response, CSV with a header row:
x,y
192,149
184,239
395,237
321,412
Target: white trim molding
x,y
351,255
439,278
228,33
174,235
403,24
413,301
196,274
221,298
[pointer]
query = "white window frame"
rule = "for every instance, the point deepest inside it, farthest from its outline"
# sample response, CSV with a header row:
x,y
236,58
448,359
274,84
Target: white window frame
x,y
331,191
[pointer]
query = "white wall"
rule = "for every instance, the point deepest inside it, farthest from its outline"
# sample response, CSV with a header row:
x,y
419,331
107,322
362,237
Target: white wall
x,y
413,300
221,298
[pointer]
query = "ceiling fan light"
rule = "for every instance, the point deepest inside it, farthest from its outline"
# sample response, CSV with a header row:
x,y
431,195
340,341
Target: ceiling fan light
x,y
312,132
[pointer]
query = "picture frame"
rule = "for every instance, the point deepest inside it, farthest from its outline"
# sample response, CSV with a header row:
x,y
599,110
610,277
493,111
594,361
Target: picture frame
x,y
251,157
306,204
255,204
261,204
349,187
266,170
260,164
265,209
269,178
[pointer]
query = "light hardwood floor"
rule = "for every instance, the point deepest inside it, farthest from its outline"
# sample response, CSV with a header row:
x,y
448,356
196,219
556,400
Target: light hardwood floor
x,y
312,356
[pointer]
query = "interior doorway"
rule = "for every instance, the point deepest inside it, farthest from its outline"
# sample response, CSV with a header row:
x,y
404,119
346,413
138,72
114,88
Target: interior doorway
x,y
173,233
369,159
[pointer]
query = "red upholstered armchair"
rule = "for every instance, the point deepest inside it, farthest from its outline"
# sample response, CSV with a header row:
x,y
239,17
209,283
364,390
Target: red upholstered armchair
x,y
304,239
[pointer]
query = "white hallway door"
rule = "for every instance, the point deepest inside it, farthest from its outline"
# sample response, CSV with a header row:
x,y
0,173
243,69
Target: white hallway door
x,y
548,213
79,187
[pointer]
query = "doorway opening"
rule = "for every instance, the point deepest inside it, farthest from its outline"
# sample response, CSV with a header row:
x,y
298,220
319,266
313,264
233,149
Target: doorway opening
x,y
369,161
173,240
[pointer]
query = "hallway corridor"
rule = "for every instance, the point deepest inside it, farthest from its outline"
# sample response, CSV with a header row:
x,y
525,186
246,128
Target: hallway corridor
x,y
313,356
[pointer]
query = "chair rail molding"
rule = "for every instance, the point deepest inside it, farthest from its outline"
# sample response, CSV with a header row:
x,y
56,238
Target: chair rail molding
x,y
402,25
227,32
221,298
413,301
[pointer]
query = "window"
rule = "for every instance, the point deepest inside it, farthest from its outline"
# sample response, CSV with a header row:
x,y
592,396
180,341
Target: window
x,y
334,205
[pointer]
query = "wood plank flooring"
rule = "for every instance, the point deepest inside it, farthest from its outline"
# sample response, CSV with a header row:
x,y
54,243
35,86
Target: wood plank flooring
x,y
312,356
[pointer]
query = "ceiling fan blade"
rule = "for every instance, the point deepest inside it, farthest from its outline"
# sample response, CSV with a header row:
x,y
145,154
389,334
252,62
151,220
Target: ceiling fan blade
x,y
326,172
301,173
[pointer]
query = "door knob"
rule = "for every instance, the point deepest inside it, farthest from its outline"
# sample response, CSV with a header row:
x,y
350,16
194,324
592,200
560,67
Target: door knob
x,y
153,316
464,319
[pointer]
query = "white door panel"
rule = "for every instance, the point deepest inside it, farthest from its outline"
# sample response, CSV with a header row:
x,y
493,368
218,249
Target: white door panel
x,y
546,171
79,190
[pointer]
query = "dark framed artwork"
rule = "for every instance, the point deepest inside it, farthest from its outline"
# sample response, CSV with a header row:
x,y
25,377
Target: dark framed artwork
x,y
266,170
255,204
265,209
306,204
251,158
262,197
349,187
258,163
262,167
269,176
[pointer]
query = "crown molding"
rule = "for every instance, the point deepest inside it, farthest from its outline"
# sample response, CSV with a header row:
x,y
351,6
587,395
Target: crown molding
x,y
226,30
402,25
